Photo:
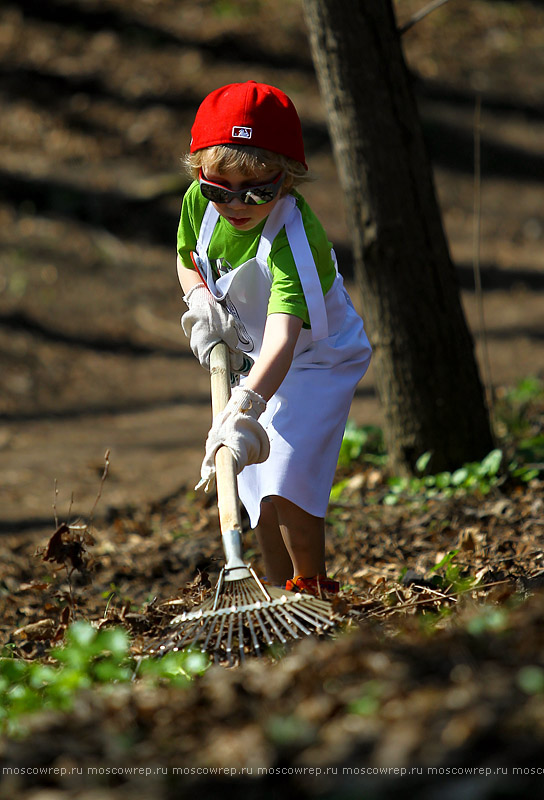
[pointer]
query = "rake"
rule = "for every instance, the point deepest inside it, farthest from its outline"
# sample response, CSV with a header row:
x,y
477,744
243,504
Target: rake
x,y
244,616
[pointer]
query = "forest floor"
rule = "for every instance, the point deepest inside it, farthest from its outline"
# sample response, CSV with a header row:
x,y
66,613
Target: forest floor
x,y
97,101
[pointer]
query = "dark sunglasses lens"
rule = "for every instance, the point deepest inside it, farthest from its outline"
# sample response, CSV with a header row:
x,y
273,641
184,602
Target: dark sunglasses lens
x,y
214,193
259,195
253,196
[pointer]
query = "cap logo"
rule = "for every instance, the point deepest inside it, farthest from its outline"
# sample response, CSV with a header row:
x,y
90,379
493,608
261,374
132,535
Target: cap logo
x,y
242,132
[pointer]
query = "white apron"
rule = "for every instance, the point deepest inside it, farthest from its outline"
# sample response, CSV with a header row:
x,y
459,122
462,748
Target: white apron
x,y
305,419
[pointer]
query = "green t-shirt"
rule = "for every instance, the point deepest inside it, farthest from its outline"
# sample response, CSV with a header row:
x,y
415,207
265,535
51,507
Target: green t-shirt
x,y
234,247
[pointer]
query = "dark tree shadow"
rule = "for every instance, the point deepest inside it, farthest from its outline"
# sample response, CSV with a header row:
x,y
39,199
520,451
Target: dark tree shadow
x,y
239,49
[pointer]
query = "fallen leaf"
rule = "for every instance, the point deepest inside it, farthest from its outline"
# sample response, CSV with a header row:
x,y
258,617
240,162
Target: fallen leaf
x,y
34,631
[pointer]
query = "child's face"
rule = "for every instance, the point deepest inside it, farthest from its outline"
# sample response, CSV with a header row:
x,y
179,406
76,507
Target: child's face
x,y
241,216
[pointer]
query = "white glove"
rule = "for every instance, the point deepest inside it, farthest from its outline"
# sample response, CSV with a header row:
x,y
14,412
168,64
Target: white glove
x,y
208,322
237,428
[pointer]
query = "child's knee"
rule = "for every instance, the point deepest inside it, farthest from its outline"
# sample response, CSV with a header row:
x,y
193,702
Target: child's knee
x,y
268,516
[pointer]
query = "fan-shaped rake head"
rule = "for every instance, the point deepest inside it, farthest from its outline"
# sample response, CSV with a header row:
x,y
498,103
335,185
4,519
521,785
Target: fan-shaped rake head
x,y
244,617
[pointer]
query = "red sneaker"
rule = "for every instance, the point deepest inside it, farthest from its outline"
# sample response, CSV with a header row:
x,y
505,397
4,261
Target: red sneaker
x,y
317,585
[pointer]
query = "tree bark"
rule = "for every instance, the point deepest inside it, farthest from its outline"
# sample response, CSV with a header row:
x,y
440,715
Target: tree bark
x,y
426,373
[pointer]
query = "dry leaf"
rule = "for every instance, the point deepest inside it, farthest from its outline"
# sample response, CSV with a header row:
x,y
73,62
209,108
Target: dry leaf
x,y
34,631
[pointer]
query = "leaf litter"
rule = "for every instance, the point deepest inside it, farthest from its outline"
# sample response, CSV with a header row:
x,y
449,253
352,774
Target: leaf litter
x,y
439,659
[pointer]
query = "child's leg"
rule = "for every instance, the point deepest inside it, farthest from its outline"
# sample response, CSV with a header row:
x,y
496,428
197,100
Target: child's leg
x,y
292,541
304,538
277,561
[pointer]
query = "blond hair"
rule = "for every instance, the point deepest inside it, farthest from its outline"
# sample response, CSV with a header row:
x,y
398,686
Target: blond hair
x,y
249,161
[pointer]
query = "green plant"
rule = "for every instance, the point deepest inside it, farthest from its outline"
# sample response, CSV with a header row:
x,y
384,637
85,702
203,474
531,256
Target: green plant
x,y
338,490
289,730
362,444
449,576
490,620
177,668
113,592
336,517
89,659
476,476
521,455
528,459
229,9
520,423
431,621
513,409
530,679
369,701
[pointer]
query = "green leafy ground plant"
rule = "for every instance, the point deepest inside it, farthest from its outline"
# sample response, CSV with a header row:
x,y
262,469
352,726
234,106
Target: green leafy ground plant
x,y
364,444
520,456
89,659
479,476
450,577
520,423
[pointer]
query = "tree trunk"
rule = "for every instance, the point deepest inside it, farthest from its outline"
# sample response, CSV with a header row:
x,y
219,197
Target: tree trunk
x,y
426,373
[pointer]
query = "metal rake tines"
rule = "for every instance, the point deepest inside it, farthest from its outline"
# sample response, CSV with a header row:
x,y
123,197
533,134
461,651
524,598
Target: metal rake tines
x,y
244,616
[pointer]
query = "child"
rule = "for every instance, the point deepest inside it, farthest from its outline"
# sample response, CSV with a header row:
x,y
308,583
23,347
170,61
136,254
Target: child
x,y
275,296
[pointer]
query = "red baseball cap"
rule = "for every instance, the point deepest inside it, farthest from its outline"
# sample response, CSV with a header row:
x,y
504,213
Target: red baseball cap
x,y
249,113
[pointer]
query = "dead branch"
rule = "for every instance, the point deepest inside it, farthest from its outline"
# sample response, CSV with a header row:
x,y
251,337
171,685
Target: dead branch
x,y
419,15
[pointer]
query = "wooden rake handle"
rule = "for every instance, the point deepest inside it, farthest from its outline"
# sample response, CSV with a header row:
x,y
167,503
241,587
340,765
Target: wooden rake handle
x,y
225,468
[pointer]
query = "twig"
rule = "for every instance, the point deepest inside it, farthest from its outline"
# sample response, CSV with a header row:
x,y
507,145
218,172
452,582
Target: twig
x,y
102,481
71,589
425,601
432,591
401,607
110,598
476,240
419,15
56,494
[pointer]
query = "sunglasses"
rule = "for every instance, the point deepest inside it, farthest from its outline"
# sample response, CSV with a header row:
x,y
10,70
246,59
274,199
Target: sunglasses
x,y
250,196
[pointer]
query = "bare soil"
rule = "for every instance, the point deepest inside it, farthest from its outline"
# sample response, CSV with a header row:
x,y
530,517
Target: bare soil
x,y
97,102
